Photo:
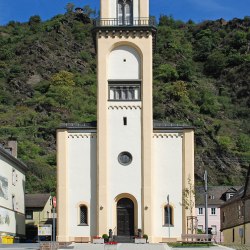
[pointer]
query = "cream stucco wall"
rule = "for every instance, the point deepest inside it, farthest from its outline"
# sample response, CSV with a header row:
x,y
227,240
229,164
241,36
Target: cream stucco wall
x,y
124,63
124,179
167,181
81,182
15,178
144,49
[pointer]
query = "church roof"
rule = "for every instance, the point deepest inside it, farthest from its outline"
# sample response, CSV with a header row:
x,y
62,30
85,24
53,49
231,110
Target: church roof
x,y
85,125
164,125
158,125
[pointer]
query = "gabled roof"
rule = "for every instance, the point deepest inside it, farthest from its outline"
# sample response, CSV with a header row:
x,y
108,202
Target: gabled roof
x,y
216,194
158,125
36,200
242,193
12,159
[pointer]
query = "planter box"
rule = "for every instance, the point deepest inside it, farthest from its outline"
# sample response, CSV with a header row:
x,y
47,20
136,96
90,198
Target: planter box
x,y
98,241
140,241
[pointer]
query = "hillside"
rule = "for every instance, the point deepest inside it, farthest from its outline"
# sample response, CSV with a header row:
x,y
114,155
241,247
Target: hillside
x,y
201,78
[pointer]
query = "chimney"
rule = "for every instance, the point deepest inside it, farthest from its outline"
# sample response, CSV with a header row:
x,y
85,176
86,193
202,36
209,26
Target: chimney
x,y
12,143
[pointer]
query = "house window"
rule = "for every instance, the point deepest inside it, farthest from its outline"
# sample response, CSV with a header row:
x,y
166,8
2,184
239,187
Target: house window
x,y
213,210
223,217
168,215
14,203
83,215
214,229
14,177
200,210
29,214
125,12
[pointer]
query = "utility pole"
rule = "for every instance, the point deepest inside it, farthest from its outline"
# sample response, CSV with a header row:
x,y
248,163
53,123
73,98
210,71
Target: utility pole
x,y
168,216
206,215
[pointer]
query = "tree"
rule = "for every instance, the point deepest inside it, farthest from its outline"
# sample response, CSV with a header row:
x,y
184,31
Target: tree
x,y
69,7
63,78
188,202
188,196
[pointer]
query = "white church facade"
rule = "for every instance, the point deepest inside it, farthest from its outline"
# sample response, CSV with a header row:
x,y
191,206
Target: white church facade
x,y
117,173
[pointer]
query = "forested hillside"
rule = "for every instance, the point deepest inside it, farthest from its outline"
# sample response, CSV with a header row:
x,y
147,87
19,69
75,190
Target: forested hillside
x,y
201,78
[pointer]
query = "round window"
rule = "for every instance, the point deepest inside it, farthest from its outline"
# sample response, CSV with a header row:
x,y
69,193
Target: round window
x,y
125,158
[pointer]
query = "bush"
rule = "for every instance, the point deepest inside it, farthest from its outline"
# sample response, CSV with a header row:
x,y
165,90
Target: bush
x,y
225,143
243,143
166,73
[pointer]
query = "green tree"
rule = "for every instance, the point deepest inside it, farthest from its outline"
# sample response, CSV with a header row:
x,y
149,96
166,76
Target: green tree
x,y
69,7
243,143
166,73
63,78
215,63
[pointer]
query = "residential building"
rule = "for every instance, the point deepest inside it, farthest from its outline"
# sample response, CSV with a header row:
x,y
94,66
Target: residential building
x,y
38,211
12,189
217,195
119,172
235,216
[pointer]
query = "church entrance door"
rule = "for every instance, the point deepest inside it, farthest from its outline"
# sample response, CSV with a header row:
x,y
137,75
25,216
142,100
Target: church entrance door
x,y
125,217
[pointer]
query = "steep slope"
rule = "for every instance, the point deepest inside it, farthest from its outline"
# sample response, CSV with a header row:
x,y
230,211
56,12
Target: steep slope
x,y
201,77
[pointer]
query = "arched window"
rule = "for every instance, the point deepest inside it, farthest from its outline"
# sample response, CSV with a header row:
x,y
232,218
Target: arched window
x,y
168,215
125,12
83,215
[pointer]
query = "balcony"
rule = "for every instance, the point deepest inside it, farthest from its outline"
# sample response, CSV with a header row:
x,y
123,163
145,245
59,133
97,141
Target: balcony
x,y
135,22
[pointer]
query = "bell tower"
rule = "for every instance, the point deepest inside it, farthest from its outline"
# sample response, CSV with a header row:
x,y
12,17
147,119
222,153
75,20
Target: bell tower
x,y
124,36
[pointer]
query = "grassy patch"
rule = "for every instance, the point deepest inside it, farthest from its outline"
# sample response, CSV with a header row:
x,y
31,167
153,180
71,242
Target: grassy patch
x,y
180,244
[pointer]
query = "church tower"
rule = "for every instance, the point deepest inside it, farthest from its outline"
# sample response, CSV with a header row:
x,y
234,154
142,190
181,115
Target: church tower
x,y
125,36
124,172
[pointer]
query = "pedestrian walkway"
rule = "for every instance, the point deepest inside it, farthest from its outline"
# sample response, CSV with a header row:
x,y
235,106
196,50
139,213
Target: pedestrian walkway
x,y
130,246
122,246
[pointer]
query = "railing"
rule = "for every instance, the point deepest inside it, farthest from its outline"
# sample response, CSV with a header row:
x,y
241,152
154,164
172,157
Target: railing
x,y
109,22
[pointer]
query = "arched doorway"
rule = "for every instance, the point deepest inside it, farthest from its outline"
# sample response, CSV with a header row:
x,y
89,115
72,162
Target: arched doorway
x,y
125,217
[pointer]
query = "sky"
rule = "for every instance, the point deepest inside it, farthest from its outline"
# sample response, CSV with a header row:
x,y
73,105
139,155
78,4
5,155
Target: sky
x,y
197,10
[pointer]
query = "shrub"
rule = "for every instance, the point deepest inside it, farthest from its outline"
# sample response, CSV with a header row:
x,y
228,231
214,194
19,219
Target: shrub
x,y
225,143
243,143
166,73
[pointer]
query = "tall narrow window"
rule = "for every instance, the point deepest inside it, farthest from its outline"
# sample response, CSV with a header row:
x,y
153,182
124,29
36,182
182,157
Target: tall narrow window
x,y
120,16
200,210
127,14
124,12
213,210
168,215
83,215
124,121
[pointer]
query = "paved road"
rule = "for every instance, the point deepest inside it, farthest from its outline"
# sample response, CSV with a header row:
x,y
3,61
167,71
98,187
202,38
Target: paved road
x,y
20,246
35,246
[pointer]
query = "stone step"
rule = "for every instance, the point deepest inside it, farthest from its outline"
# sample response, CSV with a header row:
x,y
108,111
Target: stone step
x,y
123,239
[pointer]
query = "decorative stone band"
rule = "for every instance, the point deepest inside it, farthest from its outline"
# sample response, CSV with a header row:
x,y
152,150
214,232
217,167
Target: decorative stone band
x,y
124,107
81,136
124,33
168,135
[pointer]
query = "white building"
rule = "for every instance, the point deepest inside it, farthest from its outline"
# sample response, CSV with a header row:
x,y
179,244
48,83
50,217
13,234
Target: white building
x,y
12,189
217,196
118,173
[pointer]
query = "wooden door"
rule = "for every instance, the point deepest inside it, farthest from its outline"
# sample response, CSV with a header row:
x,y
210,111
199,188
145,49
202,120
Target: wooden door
x,y
125,217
